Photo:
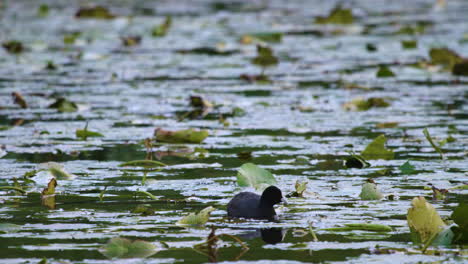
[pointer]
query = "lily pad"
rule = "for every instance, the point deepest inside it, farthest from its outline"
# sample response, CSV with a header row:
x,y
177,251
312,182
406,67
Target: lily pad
x,y
384,72
445,57
460,217
199,219
180,136
265,57
94,12
9,228
424,222
162,29
250,175
409,44
407,168
64,106
360,104
85,133
125,248
57,170
338,15
376,150
370,191
272,37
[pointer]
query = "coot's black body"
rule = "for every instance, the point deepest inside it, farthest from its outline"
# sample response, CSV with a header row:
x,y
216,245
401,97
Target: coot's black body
x,y
251,205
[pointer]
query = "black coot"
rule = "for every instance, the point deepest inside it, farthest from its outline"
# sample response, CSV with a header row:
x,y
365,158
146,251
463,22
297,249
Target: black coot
x,y
252,205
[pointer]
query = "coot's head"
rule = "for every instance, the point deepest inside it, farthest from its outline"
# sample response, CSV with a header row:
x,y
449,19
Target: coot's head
x,y
272,195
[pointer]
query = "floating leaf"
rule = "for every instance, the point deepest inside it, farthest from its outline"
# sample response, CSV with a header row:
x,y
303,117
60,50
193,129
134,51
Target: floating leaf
x,y
460,217
162,29
300,189
43,10
200,102
338,15
445,57
19,100
251,175
356,161
387,125
384,72
57,170
265,57
63,105
407,168
420,28
48,194
376,150
95,12
85,133
13,46
429,138
70,38
360,104
461,68
409,44
143,210
180,136
130,41
370,191
272,37
125,248
371,47
142,163
424,222
362,226
199,219
208,51
9,228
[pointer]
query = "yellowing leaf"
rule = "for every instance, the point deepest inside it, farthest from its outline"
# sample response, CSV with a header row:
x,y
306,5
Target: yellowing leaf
x,y
423,220
48,194
376,150
251,175
180,136
199,219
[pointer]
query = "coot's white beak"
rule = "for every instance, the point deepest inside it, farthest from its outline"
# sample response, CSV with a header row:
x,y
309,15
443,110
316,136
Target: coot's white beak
x,y
284,201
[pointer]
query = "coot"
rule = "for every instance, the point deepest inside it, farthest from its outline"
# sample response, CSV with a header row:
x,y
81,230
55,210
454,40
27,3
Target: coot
x,y
252,205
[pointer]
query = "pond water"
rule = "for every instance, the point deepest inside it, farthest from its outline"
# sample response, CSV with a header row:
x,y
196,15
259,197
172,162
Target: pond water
x,y
294,126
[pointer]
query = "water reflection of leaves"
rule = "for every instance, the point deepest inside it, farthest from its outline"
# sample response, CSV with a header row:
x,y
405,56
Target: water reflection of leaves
x,y
210,248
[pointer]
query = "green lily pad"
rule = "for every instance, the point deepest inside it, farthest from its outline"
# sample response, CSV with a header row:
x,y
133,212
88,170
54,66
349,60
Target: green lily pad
x,y
409,44
9,228
180,136
424,222
250,175
370,191
384,72
272,37
57,170
445,57
406,168
95,12
199,219
461,68
64,106
338,15
265,57
376,150
460,217
125,248
360,104
85,133
13,46
162,29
